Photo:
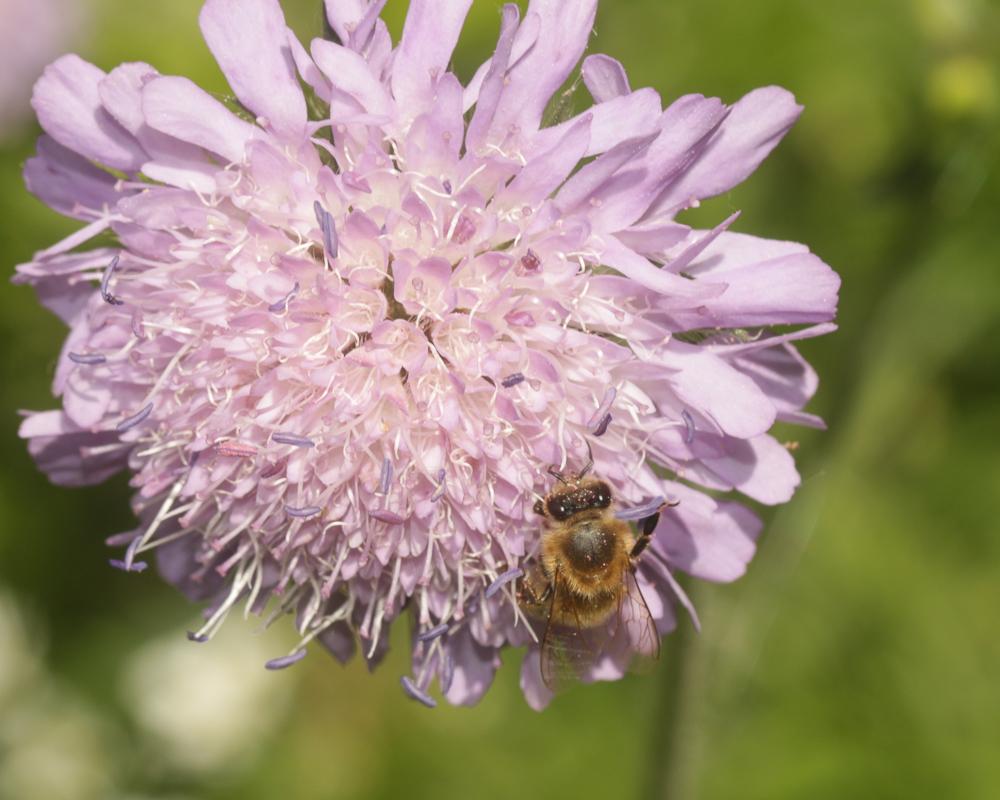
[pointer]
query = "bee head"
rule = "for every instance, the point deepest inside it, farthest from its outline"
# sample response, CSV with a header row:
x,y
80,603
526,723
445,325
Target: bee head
x,y
562,505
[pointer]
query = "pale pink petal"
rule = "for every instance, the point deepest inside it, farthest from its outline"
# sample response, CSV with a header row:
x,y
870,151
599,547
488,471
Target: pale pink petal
x,y
177,107
709,540
68,104
805,292
248,39
67,182
760,468
545,172
350,73
605,77
728,397
494,83
754,126
536,693
171,160
429,38
683,127
563,35
612,122
475,666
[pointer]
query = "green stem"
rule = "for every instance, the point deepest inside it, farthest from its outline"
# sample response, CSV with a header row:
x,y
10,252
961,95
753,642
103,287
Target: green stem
x,y
666,775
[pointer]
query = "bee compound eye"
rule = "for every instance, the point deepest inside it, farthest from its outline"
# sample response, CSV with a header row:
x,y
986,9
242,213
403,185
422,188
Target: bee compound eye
x,y
558,509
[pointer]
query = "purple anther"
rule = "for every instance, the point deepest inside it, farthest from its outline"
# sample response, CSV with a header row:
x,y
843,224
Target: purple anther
x,y
530,261
446,185
385,478
109,298
416,692
303,512
87,358
282,304
137,566
643,511
136,324
602,426
237,449
688,425
286,661
465,229
433,633
442,486
130,422
330,242
200,638
512,380
292,439
502,580
388,517
603,408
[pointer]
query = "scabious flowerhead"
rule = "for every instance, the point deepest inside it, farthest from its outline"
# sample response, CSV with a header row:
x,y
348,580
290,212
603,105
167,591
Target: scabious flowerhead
x,y
346,328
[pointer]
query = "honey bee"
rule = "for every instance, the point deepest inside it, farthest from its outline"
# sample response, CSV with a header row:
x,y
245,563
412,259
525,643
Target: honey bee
x,y
583,584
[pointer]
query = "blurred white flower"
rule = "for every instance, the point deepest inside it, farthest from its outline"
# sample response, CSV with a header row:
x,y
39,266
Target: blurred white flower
x,y
53,747
19,658
206,705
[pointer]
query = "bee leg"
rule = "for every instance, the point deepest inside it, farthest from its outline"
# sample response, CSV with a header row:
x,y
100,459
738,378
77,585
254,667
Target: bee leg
x,y
648,526
539,508
526,594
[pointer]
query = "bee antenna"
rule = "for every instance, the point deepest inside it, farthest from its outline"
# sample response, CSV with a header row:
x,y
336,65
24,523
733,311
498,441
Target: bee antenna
x,y
590,461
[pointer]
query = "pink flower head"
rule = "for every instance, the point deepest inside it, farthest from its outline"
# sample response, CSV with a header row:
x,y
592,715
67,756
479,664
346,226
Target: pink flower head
x,y
346,330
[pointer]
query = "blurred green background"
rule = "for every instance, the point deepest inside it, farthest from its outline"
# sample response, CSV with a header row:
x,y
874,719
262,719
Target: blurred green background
x,y
860,657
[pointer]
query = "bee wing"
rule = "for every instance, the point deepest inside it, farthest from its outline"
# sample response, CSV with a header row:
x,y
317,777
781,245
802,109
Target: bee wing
x,y
569,652
636,622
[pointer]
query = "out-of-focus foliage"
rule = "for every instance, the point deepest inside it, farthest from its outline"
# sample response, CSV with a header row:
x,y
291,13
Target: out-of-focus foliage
x,y
859,658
